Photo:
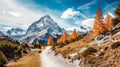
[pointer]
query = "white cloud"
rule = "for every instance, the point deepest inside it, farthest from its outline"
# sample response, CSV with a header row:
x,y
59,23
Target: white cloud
x,y
110,15
10,10
11,13
88,22
78,22
72,28
87,5
71,13
7,28
14,14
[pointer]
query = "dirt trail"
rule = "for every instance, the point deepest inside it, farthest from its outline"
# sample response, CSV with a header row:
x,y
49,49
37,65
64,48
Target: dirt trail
x,y
48,59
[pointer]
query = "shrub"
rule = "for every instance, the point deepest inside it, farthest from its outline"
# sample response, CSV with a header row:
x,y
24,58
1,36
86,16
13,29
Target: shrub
x,y
26,50
66,42
89,51
116,20
39,51
11,49
61,45
3,59
115,45
8,48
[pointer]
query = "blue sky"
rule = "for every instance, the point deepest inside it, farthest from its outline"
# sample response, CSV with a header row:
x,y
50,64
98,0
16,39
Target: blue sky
x,y
67,13
87,7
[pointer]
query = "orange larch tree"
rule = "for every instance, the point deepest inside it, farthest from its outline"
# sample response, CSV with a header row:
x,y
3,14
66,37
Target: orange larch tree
x,y
64,38
60,39
37,42
50,41
108,22
98,23
68,37
77,34
74,34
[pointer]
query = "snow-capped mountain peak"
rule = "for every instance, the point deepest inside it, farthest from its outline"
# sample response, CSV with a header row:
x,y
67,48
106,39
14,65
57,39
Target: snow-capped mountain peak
x,y
42,29
45,22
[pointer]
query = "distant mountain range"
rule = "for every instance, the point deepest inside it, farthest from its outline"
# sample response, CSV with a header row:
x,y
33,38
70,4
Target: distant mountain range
x,y
16,33
41,30
85,29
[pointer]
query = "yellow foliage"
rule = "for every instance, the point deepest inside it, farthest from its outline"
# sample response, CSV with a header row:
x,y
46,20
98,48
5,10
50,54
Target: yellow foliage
x,y
68,37
108,22
64,37
74,34
50,41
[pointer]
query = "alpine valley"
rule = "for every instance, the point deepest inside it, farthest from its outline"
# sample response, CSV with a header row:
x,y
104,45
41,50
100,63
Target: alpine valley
x,y
41,30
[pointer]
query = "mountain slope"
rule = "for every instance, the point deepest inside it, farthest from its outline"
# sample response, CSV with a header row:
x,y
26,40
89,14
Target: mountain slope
x,y
107,51
85,29
16,33
1,33
42,29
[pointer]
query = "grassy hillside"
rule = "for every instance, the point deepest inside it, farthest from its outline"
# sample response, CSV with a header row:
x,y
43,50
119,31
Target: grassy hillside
x,y
11,49
101,51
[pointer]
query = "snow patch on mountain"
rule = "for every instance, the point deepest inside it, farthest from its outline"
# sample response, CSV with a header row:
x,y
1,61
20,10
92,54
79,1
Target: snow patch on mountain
x,y
86,25
16,31
85,29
